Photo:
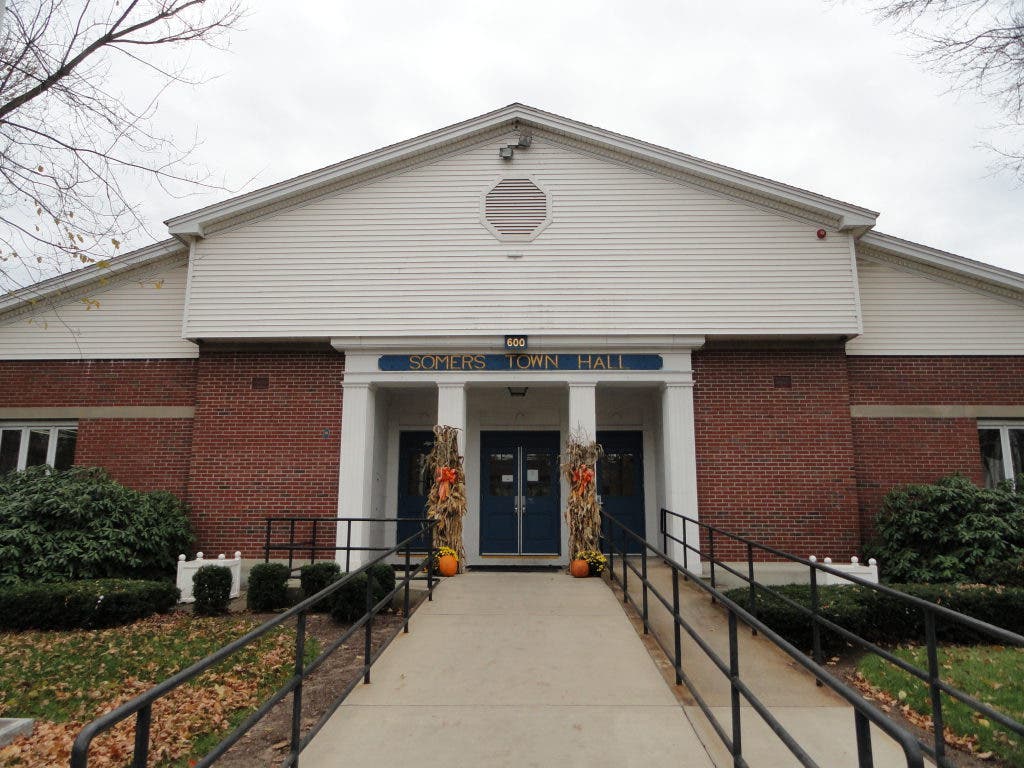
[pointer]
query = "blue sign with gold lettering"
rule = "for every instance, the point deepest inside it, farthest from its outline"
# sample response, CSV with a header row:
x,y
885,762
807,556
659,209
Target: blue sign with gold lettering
x,y
524,361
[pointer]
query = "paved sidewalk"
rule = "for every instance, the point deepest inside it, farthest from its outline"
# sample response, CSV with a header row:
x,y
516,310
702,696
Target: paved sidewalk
x,y
513,669
818,718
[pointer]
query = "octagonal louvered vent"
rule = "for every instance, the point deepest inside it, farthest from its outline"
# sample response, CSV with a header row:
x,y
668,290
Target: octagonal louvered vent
x,y
516,209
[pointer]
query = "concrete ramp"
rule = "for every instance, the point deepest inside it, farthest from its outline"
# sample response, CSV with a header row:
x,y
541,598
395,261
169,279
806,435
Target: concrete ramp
x,y
513,669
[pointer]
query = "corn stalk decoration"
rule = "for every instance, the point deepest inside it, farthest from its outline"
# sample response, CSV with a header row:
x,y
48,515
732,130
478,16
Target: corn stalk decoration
x,y
447,500
583,511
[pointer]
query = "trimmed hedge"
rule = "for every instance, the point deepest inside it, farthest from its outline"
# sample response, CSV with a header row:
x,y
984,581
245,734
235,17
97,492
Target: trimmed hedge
x,y
268,587
384,575
211,587
90,604
80,524
951,531
350,599
881,618
316,578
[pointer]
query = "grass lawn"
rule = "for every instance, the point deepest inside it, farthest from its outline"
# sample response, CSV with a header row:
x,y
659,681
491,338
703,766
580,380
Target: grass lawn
x,y
991,674
66,679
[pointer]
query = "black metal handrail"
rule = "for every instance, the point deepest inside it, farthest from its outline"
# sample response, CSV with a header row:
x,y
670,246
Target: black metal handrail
x,y
865,714
931,612
312,545
142,705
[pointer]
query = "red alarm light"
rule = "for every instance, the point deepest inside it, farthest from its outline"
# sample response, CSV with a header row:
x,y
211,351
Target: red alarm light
x,y
821,234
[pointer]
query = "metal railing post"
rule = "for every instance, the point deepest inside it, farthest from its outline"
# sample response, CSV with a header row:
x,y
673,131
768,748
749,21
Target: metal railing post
x,y
815,626
291,544
664,531
408,581
611,551
686,551
300,656
140,757
734,694
863,728
625,570
430,566
643,580
348,546
933,685
368,641
752,596
711,557
675,624
266,543
312,545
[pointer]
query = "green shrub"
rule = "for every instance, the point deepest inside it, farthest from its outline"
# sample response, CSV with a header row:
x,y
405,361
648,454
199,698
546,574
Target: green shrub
x,y
268,587
90,604
316,578
211,587
1008,572
881,618
80,524
950,531
384,575
350,599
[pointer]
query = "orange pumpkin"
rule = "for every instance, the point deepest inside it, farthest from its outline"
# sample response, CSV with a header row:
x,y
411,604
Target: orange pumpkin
x,y
448,565
579,568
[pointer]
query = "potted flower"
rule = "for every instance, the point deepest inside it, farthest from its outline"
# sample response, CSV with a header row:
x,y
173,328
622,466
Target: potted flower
x,y
596,562
446,561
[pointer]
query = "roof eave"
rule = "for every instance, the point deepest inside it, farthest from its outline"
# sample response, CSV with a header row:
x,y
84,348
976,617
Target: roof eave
x,y
923,254
852,218
81,277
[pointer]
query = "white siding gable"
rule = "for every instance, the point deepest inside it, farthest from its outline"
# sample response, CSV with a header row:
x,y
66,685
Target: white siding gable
x,y
911,313
134,315
625,251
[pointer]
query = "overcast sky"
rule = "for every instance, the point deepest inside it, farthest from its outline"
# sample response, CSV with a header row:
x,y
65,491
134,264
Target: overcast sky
x,y
807,92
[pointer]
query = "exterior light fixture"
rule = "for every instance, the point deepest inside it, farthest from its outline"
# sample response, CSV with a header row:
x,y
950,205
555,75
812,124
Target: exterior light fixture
x,y
505,153
518,391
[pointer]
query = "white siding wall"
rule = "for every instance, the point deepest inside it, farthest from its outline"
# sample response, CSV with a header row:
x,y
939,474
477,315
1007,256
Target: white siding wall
x,y
625,251
134,319
909,313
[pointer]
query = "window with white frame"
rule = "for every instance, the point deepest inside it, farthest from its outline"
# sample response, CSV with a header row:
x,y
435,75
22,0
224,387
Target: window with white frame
x,y
31,445
1002,451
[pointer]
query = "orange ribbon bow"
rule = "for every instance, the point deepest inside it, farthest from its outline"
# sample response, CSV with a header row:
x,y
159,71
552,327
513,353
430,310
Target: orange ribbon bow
x,y
582,476
444,478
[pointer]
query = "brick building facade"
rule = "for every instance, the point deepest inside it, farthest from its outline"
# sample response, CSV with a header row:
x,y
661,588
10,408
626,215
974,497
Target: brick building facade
x,y
751,354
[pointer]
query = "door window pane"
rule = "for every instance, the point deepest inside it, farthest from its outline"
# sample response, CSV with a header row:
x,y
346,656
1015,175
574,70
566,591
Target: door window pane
x,y
618,474
502,472
10,444
1017,451
38,443
65,455
417,483
538,474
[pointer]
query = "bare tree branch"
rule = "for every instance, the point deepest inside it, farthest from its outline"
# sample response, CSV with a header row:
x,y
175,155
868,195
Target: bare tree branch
x,y
69,134
979,45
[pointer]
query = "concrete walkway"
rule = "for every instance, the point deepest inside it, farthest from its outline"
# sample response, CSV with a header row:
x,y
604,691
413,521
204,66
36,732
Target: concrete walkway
x,y
817,718
513,669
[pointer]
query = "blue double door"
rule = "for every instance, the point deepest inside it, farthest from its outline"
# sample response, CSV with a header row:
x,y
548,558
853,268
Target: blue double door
x,y
520,490
520,497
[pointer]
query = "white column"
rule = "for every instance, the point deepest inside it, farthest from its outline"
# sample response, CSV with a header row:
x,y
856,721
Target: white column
x,y
680,468
583,409
451,409
355,478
